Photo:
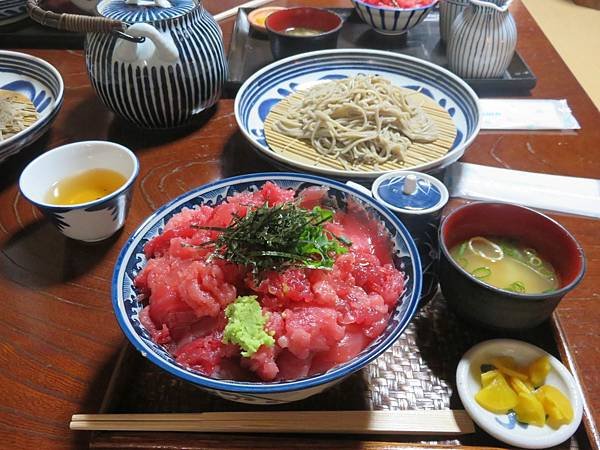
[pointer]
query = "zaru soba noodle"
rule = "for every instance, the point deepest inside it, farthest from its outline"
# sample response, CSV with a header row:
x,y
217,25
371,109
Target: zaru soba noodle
x,y
362,119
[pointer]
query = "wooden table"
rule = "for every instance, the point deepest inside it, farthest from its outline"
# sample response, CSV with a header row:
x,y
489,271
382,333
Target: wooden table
x,y
58,336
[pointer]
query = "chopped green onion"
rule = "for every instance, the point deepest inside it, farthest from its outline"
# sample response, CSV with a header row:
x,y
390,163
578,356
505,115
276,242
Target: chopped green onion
x,y
512,252
481,272
463,262
535,261
517,286
485,248
461,250
544,272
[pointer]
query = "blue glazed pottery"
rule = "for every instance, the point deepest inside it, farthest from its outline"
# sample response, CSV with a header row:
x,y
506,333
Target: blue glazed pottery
x,y
273,83
449,10
482,40
94,220
418,200
42,84
168,65
391,21
127,304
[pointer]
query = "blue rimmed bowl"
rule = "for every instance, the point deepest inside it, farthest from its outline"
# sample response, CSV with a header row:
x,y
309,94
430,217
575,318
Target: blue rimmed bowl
x,y
391,21
91,221
273,83
127,305
41,83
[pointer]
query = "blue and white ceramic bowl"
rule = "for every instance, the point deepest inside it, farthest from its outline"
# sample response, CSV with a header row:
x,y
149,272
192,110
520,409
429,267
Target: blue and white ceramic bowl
x,y
391,21
12,11
41,83
274,82
131,260
92,221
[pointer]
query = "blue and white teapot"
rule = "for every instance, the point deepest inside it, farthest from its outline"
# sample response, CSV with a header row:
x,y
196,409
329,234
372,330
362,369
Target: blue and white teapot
x,y
154,62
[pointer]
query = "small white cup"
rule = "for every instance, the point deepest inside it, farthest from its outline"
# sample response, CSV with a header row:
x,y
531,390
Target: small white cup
x,y
92,221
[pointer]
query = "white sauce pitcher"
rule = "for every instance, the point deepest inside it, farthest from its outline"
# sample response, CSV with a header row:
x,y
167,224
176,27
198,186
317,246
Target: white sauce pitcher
x,y
482,40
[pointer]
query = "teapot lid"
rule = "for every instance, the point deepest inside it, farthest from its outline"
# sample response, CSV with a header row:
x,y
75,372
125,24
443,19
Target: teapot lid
x,y
135,11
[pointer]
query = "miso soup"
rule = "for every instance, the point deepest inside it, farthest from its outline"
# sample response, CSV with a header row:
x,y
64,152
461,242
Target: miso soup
x,y
506,264
301,31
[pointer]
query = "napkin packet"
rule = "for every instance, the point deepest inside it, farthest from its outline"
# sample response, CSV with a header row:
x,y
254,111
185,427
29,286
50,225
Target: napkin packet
x,y
571,195
526,114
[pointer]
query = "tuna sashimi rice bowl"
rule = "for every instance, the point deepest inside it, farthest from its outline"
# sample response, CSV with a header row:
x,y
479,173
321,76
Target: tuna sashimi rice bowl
x,y
268,287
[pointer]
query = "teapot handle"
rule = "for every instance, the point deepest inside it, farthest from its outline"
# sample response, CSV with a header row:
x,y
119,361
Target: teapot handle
x,y
160,3
73,22
129,51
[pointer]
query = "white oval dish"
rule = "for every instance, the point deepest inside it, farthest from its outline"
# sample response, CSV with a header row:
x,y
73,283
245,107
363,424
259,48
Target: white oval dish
x,y
502,426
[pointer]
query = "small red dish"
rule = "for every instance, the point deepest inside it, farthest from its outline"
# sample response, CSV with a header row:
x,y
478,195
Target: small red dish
x,y
327,24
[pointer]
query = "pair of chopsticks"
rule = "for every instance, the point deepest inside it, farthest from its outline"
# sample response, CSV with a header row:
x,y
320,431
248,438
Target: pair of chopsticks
x,y
233,11
438,422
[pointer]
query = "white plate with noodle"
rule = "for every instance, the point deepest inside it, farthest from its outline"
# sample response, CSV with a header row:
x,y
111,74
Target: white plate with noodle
x,y
40,85
270,85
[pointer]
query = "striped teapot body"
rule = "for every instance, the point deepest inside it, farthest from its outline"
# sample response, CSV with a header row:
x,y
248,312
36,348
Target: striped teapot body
x,y
482,40
177,72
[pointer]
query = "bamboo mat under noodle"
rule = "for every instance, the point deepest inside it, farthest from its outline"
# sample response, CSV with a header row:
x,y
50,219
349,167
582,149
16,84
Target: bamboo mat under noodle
x,y
417,154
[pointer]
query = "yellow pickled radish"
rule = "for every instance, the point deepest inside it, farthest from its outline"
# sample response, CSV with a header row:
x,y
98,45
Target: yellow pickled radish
x,y
488,377
530,410
529,385
556,423
507,366
538,370
497,396
519,386
557,405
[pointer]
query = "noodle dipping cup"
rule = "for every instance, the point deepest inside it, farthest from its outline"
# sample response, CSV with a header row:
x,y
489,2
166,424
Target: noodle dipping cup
x,y
91,221
495,308
127,304
283,45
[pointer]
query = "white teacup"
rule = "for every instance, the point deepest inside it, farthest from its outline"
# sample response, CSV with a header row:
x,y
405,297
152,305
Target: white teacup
x,y
91,221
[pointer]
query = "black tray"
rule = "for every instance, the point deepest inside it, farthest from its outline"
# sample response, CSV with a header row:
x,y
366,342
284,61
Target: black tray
x,y
250,50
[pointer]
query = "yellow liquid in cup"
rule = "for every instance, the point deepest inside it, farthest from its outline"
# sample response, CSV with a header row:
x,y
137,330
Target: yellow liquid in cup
x,y
85,187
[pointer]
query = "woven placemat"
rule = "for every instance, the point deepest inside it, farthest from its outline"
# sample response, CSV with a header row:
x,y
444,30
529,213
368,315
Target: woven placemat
x,y
417,372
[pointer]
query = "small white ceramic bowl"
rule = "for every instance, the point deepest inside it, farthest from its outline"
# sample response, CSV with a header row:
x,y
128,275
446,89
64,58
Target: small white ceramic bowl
x,y
504,427
92,221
